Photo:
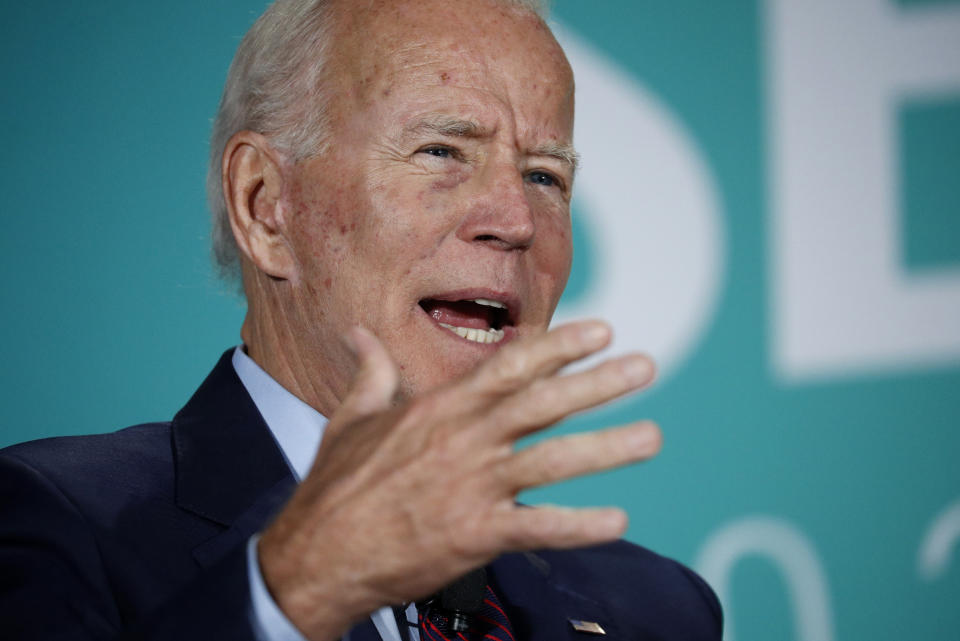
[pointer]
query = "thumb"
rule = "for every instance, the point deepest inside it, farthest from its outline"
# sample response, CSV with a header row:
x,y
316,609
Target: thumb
x,y
375,382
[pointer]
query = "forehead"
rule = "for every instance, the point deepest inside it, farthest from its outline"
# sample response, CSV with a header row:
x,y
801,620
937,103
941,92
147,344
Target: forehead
x,y
467,46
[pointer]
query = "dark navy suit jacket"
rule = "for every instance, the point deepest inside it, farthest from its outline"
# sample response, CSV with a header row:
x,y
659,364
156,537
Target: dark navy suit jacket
x,y
141,534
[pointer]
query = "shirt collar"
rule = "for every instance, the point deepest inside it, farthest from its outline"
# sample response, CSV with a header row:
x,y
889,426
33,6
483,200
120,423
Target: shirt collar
x,y
296,427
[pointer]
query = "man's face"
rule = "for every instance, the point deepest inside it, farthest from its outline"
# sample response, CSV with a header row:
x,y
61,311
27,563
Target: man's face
x,y
439,218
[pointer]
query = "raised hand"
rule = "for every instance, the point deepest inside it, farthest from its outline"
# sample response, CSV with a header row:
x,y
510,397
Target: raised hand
x,y
404,498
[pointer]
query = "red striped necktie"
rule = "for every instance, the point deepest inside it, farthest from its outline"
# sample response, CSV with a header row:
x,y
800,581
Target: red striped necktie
x,y
489,624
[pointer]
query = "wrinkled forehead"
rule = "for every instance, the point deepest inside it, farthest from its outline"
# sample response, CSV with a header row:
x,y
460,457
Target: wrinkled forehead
x,y
474,41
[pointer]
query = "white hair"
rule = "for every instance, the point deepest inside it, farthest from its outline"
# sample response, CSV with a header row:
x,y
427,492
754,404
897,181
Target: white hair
x,y
275,87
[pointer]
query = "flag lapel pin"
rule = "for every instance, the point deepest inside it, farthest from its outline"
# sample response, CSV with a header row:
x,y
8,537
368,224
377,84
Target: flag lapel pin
x,y
588,627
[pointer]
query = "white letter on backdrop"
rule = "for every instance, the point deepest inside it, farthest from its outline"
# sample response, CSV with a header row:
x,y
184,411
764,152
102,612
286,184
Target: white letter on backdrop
x,y
938,543
793,555
842,302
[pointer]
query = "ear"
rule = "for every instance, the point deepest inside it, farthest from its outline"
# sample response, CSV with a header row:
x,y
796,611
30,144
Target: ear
x,y
252,178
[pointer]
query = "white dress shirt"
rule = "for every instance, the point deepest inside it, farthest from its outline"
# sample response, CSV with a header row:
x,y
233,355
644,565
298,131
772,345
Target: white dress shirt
x,y
298,429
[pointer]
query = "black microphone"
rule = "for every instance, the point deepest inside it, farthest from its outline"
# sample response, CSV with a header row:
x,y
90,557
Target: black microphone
x,y
462,599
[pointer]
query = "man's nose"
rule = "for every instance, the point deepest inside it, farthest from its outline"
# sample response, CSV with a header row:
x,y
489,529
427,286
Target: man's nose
x,y
500,213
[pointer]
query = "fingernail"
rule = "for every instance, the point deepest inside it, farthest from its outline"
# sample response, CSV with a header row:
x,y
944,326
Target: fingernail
x,y
595,333
637,370
638,437
645,438
614,521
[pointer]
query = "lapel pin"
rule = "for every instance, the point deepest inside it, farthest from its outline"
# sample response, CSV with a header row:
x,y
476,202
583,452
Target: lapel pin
x,y
589,627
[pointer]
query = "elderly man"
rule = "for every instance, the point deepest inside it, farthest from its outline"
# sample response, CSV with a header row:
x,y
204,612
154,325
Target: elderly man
x,y
392,178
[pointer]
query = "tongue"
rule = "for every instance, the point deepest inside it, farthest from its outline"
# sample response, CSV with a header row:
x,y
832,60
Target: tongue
x,y
459,313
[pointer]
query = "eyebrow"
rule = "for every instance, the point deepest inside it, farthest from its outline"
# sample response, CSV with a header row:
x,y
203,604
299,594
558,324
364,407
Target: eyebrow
x,y
446,126
564,152
459,128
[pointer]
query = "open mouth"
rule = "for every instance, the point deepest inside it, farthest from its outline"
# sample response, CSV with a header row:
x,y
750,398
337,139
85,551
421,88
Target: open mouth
x,y
479,320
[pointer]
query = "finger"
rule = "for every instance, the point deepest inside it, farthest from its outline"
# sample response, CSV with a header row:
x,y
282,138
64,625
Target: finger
x,y
566,457
549,526
518,364
375,383
549,400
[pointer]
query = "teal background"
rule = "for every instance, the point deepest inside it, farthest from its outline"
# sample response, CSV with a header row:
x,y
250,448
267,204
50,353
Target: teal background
x,y
112,314
931,184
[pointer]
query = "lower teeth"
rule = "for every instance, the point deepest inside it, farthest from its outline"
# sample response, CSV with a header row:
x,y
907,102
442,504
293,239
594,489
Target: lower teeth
x,y
476,335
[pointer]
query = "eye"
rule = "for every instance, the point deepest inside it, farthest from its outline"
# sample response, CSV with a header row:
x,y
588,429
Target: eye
x,y
439,151
543,179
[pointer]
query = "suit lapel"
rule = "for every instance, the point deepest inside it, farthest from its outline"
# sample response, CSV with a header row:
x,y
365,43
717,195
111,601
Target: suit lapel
x,y
228,467
230,470
540,606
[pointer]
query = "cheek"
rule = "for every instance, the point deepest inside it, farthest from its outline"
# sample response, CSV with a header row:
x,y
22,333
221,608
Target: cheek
x,y
318,230
411,222
557,235
449,180
320,240
555,254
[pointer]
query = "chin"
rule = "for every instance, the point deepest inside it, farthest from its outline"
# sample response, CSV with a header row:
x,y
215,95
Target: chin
x,y
452,362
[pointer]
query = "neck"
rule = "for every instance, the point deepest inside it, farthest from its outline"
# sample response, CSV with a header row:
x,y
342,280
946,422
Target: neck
x,y
278,338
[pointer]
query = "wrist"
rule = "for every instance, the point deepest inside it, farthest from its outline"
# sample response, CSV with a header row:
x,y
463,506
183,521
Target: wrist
x,y
319,605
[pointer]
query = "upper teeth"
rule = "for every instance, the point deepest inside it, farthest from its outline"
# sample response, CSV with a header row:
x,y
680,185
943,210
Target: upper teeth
x,y
476,335
489,303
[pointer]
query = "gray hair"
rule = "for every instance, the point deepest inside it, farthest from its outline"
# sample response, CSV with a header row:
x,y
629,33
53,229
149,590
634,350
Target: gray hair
x,y
275,87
